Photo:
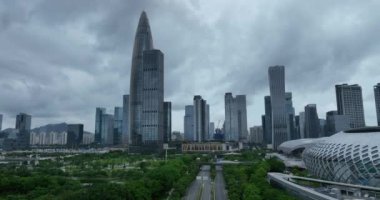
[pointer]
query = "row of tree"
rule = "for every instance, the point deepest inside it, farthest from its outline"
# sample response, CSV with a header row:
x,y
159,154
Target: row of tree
x,y
149,180
249,181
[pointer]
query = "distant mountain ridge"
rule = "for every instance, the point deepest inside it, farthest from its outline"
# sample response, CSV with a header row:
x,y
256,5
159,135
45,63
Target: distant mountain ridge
x,y
60,127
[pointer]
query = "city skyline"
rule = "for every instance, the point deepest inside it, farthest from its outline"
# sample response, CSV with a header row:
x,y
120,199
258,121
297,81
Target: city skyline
x,y
57,104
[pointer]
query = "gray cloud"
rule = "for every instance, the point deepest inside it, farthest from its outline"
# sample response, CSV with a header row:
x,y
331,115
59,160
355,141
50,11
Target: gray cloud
x,y
61,59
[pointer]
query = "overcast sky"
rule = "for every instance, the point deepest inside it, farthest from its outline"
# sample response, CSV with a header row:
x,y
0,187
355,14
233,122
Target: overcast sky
x,y
59,60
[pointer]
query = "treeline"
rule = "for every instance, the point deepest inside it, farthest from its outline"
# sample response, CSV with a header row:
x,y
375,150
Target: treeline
x,y
249,182
148,181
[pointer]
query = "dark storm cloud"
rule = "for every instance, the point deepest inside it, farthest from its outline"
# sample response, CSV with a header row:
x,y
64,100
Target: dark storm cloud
x,y
61,59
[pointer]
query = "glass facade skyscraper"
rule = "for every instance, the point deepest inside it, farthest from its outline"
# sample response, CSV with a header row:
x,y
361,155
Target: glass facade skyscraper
x,y
189,123
118,126
125,136
98,124
107,131
199,119
236,128
312,124
143,41
277,96
376,89
146,100
349,101
268,121
74,135
167,122
1,122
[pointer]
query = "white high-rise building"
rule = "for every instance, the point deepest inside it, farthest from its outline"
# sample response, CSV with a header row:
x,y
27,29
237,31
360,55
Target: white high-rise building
x,y
235,118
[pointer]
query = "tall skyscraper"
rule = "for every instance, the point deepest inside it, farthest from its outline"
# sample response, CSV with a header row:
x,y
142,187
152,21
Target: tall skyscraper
x,y
146,91
297,126
23,122
98,124
350,102
167,122
376,89
74,135
256,134
312,125
336,123
268,121
302,124
322,128
207,123
277,96
118,125
290,116
235,118
1,122
200,128
153,99
107,129
125,136
211,130
189,123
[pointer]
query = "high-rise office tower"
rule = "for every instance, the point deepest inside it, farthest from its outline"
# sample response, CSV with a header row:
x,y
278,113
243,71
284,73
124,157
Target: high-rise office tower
x,y
23,124
336,123
125,136
256,134
277,96
263,126
118,125
98,124
200,128
302,124
350,102
146,91
74,135
312,126
322,128
297,126
107,129
376,89
290,116
207,123
189,123
268,121
153,100
211,130
167,122
235,118
1,122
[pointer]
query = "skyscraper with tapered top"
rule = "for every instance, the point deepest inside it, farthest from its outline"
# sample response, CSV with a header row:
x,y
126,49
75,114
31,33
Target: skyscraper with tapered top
x,y
146,110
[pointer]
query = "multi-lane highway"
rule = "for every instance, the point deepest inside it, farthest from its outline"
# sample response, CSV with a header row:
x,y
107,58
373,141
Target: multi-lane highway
x,y
202,186
220,191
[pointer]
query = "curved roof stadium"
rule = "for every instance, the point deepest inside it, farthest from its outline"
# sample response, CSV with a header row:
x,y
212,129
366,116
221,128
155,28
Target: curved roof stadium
x,y
351,156
291,146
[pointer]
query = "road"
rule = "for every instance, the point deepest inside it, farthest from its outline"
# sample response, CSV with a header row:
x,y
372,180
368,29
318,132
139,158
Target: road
x,y
220,191
201,185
